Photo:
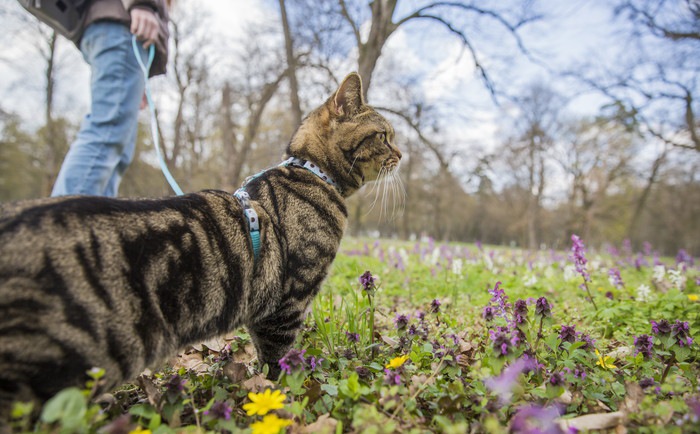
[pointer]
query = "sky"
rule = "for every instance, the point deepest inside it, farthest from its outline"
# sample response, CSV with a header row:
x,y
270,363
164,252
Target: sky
x,y
572,31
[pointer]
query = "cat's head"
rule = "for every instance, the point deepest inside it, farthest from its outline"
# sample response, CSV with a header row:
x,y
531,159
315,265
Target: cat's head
x,y
348,139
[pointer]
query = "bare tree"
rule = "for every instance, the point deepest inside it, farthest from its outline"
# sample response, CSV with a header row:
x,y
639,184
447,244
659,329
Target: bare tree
x,y
656,88
291,66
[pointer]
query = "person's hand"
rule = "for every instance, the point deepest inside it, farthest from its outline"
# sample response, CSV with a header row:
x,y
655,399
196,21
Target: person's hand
x,y
144,24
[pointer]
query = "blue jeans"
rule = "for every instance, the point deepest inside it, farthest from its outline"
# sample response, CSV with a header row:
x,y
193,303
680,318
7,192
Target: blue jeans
x,y
104,146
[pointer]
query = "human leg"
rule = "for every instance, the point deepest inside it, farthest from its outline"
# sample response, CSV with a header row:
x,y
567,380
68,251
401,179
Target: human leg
x,y
106,140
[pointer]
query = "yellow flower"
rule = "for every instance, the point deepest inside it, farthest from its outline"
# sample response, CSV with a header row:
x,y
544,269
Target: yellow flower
x,y
397,362
271,424
262,403
140,430
693,297
604,362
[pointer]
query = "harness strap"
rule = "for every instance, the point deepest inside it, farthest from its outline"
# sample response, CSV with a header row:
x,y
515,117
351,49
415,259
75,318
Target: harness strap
x,y
252,216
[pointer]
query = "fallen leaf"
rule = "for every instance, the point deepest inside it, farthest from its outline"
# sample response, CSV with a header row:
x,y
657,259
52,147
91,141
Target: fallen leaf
x,y
593,421
215,344
323,425
236,372
257,383
192,361
245,354
152,392
633,397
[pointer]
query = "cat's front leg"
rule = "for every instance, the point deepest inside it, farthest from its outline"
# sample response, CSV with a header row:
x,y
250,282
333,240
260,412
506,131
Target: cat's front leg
x,y
274,335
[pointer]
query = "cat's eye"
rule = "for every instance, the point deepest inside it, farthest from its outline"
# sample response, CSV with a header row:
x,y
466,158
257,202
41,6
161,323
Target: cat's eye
x,y
381,137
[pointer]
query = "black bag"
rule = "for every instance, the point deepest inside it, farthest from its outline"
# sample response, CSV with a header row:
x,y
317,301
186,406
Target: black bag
x,y
64,16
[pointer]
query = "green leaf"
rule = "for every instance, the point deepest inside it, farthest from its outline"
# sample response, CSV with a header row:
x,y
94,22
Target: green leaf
x,y
68,407
330,389
143,410
682,353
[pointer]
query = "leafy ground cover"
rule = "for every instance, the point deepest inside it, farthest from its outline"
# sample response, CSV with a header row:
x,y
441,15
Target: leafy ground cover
x,y
421,337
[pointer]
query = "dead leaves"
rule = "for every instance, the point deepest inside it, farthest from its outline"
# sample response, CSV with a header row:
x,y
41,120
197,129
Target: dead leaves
x,y
612,420
325,424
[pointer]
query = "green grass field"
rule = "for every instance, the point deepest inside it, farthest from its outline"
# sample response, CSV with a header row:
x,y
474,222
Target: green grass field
x,y
429,341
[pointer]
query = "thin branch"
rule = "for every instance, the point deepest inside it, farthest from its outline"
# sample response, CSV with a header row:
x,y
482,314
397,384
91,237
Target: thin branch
x,y
355,30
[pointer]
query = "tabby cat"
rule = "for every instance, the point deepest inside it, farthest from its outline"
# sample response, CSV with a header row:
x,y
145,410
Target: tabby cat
x,y
123,284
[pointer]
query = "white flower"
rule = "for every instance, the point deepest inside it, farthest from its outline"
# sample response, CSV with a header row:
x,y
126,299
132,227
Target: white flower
x,y
595,264
457,267
530,280
643,292
570,272
435,256
404,255
677,278
488,262
659,272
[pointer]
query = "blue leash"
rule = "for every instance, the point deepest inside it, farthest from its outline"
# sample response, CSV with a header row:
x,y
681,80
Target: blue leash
x,y
152,108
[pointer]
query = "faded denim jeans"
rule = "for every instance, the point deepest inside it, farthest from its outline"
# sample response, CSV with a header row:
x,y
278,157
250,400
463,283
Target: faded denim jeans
x,y
104,146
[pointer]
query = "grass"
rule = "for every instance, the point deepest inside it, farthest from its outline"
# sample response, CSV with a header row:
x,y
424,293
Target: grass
x,y
418,352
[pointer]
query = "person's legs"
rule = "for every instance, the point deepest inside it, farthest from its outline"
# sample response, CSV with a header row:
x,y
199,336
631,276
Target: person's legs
x,y
106,140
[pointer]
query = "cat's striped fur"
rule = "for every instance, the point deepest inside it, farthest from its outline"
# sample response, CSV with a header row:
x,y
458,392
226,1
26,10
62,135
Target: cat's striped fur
x,y
123,284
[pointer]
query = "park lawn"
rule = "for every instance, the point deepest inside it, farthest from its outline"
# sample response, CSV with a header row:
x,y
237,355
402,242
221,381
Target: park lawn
x,y
431,337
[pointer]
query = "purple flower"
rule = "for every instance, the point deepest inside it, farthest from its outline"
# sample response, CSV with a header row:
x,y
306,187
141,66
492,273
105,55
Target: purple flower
x,y
640,262
488,313
568,333
293,360
504,383
542,307
520,312
556,379
501,343
681,331
363,372
645,383
220,410
684,258
435,306
693,404
535,420
589,342
578,251
175,386
662,327
615,278
367,281
313,362
401,321
392,377
352,337
644,344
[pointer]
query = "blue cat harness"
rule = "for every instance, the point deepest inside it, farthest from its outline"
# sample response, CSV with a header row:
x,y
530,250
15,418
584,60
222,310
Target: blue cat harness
x,y
244,198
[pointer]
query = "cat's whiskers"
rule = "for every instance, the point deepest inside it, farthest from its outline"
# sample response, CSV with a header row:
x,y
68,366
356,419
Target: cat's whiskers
x,y
353,164
388,183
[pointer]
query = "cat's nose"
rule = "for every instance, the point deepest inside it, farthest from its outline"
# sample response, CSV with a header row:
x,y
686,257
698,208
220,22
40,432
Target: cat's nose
x,y
398,153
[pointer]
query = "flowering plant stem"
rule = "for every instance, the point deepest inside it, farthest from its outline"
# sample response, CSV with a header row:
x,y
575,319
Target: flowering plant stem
x,y
539,335
671,361
590,296
371,325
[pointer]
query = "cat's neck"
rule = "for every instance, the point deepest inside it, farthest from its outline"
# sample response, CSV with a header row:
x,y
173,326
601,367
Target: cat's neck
x,y
345,181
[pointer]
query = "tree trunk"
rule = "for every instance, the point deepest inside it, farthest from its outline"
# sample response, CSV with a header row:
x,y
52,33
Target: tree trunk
x,y
52,157
291,68
369,52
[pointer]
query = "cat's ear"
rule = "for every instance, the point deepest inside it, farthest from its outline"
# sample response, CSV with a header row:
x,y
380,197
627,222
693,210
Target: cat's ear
x,y
348,98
